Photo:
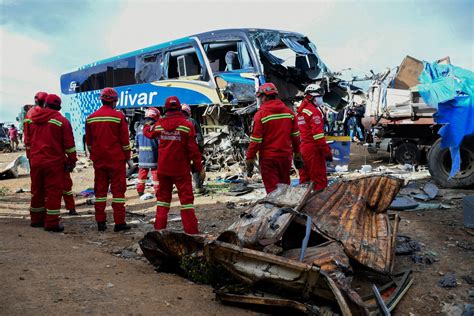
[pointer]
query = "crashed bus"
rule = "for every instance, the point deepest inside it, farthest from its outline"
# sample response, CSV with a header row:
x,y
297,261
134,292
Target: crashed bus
x,y
216,73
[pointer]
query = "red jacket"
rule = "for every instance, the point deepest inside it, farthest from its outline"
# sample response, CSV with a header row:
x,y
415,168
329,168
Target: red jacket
x,y
26,126
275,131
50,139
177,144
107,136
311,124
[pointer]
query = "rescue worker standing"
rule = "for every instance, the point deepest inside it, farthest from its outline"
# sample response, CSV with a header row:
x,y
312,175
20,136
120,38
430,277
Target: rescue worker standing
x,y
314,148
275,136
176,151
40,98
108,142
197,179
147,154
52,151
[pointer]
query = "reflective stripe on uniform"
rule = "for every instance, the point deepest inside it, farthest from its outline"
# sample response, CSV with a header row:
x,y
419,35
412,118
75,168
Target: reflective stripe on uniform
x,y
307,112
55,122
187,206
276,117
183,128
145,148
100,199
165,204
52,212
159,128
71,150
126,147
118,200
256,139
37,209
318,136
103,119
67,192
295,134
28,121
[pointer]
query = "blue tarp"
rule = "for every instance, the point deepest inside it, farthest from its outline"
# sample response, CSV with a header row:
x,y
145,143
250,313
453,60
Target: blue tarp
x,y
450,89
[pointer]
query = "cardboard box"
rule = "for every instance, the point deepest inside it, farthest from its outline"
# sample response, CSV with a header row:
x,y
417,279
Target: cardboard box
x,y
408,73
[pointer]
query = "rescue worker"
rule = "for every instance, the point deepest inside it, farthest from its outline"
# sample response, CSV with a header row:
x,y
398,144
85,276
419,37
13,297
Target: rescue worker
x,y
177,149
275,136
40,98
314,149
108,142
197,179
52,152
147,154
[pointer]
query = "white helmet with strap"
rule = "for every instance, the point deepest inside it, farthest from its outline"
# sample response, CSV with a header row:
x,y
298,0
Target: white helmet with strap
x,y
314,89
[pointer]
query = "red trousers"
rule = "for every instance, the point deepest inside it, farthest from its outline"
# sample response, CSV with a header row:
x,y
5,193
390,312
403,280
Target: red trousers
x,y
275,170
142,177
314,167
67,192
186,197
112,174
46,191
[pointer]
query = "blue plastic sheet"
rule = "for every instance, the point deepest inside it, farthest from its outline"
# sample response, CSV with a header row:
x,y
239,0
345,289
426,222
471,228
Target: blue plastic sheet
x,y
450,89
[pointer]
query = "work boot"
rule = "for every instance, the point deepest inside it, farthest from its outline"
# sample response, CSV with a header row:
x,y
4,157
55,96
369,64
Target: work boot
x,y
101,226
37,224
55,229
120,227
73,212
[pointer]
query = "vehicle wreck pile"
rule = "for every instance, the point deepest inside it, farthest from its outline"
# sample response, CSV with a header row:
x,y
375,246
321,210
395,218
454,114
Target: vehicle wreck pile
x,y
321,253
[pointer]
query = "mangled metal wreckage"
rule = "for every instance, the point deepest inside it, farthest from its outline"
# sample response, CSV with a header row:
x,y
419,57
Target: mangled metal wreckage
x,y
299,250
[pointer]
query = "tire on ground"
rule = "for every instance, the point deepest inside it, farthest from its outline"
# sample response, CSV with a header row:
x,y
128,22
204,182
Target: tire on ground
x,y
439,165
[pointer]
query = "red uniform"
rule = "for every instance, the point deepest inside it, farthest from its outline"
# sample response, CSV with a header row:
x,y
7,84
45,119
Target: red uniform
x,y
51,144
26,126
108,142
143,176
275,136
314,148
68,196
177,150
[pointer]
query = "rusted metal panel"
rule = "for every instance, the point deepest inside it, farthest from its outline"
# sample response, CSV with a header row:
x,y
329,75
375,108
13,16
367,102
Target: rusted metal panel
x,y
301,279
354,213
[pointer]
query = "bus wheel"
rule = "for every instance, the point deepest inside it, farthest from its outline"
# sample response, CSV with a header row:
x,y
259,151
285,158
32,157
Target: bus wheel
x,y
407,153
439,165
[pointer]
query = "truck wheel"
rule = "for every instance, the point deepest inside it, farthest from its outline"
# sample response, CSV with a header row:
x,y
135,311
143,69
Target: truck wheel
x,y
439,165
407,153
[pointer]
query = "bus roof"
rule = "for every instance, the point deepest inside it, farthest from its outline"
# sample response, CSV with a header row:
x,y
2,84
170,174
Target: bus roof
x,y
184,40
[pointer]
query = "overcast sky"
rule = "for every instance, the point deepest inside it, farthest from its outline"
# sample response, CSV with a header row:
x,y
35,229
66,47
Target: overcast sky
x,y
42,39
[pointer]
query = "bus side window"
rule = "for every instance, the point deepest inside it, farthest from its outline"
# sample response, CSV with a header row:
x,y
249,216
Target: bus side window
x,y
228,56
184,64
148,67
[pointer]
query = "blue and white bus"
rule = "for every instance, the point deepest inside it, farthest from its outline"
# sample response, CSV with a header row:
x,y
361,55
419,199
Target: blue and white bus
x,y
221,69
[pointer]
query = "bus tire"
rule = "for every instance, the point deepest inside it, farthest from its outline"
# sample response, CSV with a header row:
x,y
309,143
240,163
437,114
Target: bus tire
x,y
439,165
407,153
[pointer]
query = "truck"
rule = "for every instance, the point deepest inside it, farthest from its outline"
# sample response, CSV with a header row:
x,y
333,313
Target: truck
x,y
401,123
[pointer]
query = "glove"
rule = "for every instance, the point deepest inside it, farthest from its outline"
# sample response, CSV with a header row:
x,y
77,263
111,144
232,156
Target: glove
x,y
250,164
69,167
298,161
327,152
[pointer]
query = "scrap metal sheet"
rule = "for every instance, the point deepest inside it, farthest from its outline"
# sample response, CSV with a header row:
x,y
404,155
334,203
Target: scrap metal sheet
x,y
354,213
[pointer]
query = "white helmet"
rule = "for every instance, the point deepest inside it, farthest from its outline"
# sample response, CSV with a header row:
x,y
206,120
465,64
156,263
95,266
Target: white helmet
x,y
314,89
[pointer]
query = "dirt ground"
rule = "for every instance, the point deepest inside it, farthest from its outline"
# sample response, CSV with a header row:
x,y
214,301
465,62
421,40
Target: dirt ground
x,y
82,271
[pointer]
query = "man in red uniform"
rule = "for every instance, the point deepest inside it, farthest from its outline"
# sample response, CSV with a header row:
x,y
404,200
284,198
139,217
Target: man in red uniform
x,y
275,136
177,149
314,148
108,142
40,98
52,151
